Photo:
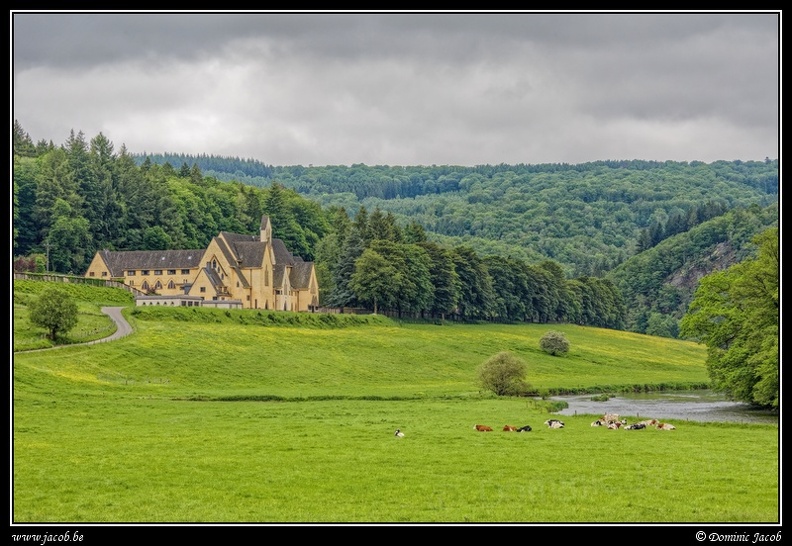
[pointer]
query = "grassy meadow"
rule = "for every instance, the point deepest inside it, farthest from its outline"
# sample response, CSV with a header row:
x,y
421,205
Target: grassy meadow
x,y
243,417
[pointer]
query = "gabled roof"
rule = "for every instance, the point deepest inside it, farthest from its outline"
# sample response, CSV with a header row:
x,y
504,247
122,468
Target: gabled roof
x,y
278,275
213,277
241,250
282,255
120,261
300,277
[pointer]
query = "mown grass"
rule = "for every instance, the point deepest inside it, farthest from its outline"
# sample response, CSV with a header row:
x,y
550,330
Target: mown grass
x,y
222,422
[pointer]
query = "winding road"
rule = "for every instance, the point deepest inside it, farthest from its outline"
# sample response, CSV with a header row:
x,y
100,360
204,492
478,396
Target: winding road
x,y
123,328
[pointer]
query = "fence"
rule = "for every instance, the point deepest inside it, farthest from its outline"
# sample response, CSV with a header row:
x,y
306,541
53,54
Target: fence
x,y
54,277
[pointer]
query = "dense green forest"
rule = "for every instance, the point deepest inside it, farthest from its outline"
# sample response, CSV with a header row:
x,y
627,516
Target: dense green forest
x,y
603,243
588,217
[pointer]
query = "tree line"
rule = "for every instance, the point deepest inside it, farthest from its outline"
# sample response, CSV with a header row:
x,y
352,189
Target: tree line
x,y
75,199
369,260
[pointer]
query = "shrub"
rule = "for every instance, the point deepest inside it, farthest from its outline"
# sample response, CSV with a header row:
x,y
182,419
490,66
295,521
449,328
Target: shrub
x,y
503,374
554,343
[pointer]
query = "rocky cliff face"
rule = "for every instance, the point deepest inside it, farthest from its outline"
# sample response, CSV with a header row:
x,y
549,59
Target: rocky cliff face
x,y
687,278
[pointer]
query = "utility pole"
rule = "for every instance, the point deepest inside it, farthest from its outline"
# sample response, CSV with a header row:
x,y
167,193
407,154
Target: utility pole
x,y
47,246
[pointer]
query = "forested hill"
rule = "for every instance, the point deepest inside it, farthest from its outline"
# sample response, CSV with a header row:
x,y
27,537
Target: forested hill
x,y
659,283
588,217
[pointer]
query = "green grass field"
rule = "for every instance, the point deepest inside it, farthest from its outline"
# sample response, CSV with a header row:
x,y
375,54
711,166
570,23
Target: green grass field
x,y
226,420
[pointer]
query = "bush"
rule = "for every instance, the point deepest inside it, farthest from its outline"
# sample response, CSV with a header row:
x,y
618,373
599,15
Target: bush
x,y
503,374
554,343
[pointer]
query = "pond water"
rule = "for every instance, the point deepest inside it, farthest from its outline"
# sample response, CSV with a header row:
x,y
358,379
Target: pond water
x,y
678,405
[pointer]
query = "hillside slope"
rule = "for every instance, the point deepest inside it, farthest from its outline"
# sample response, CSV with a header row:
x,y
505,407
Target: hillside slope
x,y
659,283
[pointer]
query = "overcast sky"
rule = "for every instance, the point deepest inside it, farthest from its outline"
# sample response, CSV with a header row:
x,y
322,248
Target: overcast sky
x,y
405,89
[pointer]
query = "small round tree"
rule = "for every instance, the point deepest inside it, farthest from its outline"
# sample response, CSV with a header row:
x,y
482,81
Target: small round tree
x,y
554,343
503,374
54,311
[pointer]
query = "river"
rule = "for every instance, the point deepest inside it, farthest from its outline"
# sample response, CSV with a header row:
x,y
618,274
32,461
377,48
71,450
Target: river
x,y
705,406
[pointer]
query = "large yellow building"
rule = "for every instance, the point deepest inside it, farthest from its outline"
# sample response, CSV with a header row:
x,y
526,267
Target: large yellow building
x,y
255,270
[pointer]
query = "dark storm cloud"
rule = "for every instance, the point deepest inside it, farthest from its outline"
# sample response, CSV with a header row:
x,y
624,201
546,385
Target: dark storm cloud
x,y
406,88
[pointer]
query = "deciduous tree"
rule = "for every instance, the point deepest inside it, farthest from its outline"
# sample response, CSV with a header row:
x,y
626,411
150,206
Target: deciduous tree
x,y
53,310
736,313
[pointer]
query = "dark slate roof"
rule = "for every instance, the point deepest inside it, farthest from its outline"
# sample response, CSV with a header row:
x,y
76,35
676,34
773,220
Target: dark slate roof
x,y
282,255
242,250
277,275
120,261
250,254
300,277
213,277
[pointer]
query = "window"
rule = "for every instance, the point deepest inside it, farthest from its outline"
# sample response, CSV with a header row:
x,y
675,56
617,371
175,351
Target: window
x,y
158,271
92,274
203,289
185,271
131,273
104,273
171,285
171,271
144,271
131,283
158,286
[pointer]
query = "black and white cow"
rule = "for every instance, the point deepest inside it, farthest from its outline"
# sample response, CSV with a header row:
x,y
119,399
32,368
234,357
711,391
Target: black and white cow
x,y
635,426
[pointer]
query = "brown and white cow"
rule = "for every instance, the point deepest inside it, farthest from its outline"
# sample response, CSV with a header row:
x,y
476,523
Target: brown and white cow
x,y
665,426
482,428
509,428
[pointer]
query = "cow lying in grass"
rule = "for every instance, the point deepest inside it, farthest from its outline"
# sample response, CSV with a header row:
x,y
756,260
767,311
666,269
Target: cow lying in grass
x,y
509,428
554,423
482,428
665,426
